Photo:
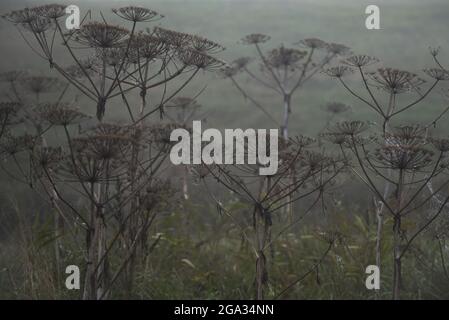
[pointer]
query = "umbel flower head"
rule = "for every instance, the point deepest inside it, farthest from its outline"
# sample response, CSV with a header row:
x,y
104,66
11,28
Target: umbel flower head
x,y
26,15
255,38
407,158
285,57
360,60
39,84
60,114
137,14
11,145
50,11
146,46
441,144
101,35
191,57
205,45
350,128
312,43
38,25
338,71
47,157
405,136
394,80
336,107
173,38
8,112
437,74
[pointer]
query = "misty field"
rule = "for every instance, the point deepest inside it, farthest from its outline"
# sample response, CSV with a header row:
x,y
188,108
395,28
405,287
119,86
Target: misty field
x,y
87,178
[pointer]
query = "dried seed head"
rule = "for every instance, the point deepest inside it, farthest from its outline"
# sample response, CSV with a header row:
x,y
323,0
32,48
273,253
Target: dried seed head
x,y
312,43
60,114
38,25
336,107
441,145
285,57
360,61
48,157
437,74
50,11
173,38
406,136
395,81
350,128
255,38
89,66
406,158
39,84
145,46
11,145
8,112
137,14
204,45
26,15
12,76
200,60
335,138
338,72
337,49
101,35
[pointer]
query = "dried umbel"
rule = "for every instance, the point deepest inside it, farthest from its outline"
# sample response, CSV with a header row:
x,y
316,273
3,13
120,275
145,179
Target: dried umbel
x,y
60,114
440,144
173,38
50,11
39,84
47,157
11,145
255,38
394,80
437,74
350,128
360,60
8,111
103,146
137,14
113,57
337,49
285,57
157,194
38,25
205,45
26,15
338,71
312,43
145,46
406,158
336,107
89,66
12,76
101,35
200,60
340,139
405,136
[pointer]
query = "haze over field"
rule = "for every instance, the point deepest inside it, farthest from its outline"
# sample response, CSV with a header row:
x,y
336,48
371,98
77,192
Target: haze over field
x,y
408,28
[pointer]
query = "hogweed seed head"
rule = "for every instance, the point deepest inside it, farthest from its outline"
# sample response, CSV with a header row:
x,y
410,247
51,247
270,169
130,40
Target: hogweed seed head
x,y
394,80
360,61
255,38
50,11
312,43
101,35
437,74
338,71
137,14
